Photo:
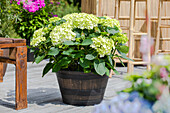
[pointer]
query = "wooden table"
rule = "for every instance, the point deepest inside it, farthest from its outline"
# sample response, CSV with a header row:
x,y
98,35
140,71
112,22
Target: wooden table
x,y
18,57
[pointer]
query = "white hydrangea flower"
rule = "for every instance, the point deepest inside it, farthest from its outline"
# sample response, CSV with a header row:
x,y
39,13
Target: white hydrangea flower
x,y
66,25
103,45
123,96
53,19
148,81
69,17
82,20
161,60
60,34
38,37
120,38
139,81
109,22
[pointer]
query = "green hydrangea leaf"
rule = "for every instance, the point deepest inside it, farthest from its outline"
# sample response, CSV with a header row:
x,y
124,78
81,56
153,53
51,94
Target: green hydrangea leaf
x,y
128,90
68,52
121,61
63,20
32,50
90,57
123,55
87,42
97,30
47,68
112,31
102,17
87,70
76,43
168,68
104,33
94,35
53,51
68,43
56,67
123,49
110,60
65,61
116,72
107,71
39,59
78,34
99,66
77,55
85,63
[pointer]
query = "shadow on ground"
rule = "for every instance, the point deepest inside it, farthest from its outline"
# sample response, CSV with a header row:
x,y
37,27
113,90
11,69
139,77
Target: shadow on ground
x,y
7,104
39,96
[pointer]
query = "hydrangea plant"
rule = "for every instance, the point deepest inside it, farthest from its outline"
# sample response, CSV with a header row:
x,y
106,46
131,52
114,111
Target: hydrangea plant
x,y
125,103
149,93
31,15
80,42
151,84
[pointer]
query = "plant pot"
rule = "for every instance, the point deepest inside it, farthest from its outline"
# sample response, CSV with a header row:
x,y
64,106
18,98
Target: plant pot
x,y
82,89
30,56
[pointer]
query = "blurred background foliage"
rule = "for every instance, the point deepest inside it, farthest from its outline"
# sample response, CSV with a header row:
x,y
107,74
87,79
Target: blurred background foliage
x,y
66,7
8,15
7,19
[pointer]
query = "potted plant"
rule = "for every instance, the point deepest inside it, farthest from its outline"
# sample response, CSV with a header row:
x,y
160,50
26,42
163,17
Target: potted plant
x,y
81,48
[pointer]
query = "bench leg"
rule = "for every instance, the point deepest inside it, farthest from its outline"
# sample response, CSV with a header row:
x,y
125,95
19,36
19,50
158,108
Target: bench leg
x,y
21,78
1,72
1,67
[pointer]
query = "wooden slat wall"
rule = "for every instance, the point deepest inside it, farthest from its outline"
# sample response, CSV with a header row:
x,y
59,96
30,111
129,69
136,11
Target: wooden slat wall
x,y
89,7
107,7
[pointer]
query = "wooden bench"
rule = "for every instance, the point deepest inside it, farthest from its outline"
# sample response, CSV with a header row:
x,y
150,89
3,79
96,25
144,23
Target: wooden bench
x,y
18,57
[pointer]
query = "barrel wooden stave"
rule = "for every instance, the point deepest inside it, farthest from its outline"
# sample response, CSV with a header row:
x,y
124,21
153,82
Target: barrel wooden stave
x,y
78,88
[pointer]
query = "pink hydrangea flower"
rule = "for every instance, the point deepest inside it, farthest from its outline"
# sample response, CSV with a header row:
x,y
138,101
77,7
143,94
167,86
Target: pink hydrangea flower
x,y
18,2
145,44
163,73
55,15
32,5
161,88
58,3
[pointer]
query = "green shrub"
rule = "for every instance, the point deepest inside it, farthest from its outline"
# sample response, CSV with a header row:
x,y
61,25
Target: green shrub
x,y
6,20
28,22
64,7
13,16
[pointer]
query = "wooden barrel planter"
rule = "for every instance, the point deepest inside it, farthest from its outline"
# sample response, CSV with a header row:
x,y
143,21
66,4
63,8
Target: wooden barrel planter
x,y
30,56
82,89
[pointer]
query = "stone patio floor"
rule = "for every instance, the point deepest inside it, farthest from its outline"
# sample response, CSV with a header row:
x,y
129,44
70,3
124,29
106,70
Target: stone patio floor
x,y
44,94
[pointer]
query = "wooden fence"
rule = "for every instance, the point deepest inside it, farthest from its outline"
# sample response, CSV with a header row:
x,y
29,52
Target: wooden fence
x,y
107,7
